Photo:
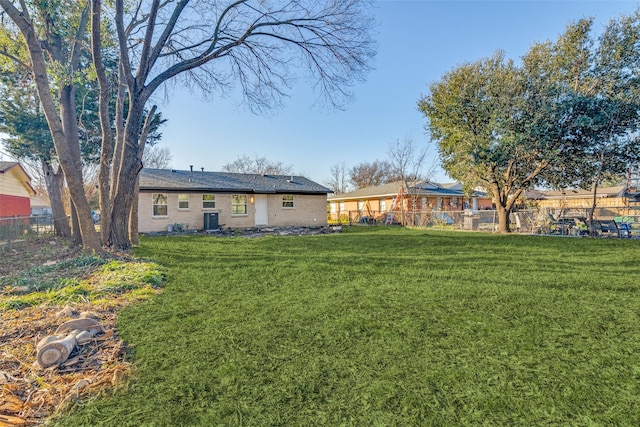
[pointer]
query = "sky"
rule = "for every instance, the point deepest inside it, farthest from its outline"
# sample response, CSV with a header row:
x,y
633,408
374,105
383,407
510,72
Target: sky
x,y
417,43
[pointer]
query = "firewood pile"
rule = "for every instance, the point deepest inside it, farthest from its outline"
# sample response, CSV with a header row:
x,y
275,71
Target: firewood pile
x,y
51,357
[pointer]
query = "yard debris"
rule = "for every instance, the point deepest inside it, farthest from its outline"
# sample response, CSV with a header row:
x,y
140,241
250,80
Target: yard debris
x,y
280,231
55,349
30,393
9,421
34,307
251,232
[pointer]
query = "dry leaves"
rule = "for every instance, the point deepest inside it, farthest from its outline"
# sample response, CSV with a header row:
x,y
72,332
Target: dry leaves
x,y
28,393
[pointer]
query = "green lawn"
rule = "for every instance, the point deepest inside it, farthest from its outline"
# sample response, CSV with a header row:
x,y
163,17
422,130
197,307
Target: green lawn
x,y
383,327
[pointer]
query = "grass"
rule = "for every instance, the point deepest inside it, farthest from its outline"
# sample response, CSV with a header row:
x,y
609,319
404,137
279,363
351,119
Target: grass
x,y
383,327
51,284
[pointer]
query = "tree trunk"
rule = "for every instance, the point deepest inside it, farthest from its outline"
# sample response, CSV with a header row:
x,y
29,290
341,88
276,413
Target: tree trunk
x,y
72,173
133,219
504,223
594,198
54,181
76,234
106,151
130,165
80,209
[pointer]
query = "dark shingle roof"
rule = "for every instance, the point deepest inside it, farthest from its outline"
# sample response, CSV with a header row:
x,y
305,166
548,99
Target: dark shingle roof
x,y
425,188
176,180
5,166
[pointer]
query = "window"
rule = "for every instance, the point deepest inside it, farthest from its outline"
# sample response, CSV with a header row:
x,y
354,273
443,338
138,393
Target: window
x,y
159,204
183,201
383,205
208,201
341,206
360,205
239,204
288,202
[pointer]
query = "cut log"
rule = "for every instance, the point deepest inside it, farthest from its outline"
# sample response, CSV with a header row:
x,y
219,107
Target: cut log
x,y
80,324
56,352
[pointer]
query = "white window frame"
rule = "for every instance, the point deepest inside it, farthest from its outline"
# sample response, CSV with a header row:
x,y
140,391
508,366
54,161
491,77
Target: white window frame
x,y
180,202
288,199
235,198
154,204
208,201
383,205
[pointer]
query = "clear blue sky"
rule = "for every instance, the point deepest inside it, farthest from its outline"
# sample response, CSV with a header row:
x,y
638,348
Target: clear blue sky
x,y
418,41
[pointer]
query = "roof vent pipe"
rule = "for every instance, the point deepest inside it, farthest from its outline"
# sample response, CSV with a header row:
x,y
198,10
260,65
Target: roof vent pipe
x,y
190,176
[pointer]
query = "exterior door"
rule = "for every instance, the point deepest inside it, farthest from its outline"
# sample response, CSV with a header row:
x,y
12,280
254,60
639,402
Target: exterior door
x,y
262,211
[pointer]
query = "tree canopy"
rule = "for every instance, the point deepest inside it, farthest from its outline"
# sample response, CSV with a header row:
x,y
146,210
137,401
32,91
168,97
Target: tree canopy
x,y
562,117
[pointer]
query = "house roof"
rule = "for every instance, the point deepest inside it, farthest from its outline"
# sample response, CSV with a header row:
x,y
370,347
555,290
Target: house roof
x,y
18,171
178,180
386,190
616,191
424,188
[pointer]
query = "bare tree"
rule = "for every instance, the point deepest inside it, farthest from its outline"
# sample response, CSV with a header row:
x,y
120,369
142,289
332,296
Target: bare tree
x,y
157,157
407,162
371,174
204,44
212,44
261,165
408,166
338,181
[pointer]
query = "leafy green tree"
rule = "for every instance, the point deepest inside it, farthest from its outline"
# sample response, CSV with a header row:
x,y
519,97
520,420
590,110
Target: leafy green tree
x,y
55,65
28,137
601,102
23,120
475,116
567,116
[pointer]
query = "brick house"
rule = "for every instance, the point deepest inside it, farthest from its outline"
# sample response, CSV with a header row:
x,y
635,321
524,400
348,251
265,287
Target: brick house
x,y
421,196
209,200
15,191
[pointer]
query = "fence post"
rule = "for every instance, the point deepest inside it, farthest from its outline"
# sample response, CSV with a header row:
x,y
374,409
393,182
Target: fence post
x,y
9,227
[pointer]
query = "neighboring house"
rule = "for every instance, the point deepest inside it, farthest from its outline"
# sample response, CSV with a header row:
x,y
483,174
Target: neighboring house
x,y
40,206
15,190
420,196
208,200
577,198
